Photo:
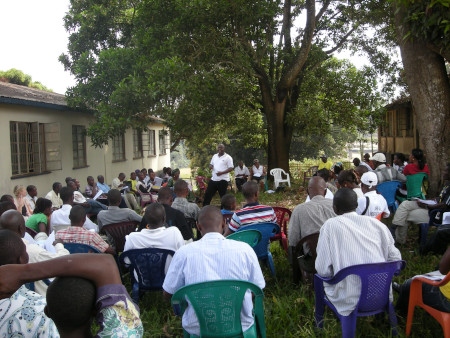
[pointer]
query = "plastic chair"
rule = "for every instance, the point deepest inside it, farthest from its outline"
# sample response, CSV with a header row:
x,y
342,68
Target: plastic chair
x,y
251,237
423,227
227,219
192,223
118,231
308,174
218,304
297,272
147,198
414,186
80,248
147,269
277,174
201,185
388,190
375,280
415,299
267,230
283,217
30,232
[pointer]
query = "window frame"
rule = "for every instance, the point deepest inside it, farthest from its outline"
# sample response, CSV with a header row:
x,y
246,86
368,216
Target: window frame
x,y
79,137
118,148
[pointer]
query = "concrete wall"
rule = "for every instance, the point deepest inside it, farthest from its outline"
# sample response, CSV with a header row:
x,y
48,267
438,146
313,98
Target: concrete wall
x,y
99,160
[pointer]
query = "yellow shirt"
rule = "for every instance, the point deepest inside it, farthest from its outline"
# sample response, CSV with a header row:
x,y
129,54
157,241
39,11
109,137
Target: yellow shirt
x,y
327,165
445,289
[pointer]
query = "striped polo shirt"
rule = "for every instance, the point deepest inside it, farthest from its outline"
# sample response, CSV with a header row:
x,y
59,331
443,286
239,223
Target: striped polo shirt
x,y
250,214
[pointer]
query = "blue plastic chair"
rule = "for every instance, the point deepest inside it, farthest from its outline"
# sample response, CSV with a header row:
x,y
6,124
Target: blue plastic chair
x,y
376,281
80,248
251,237
388,190
267,230
147,269
218,304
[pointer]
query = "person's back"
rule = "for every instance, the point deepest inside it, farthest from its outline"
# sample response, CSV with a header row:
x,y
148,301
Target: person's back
x,y
385,174
372,204
115,214
181,189
22,314
213,258
350,239
252,212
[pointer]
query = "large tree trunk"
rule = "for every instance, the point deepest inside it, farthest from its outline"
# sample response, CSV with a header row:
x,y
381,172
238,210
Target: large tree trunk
x,y
429,87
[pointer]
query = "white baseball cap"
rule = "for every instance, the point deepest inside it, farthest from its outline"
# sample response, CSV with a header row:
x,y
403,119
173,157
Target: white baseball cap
x,y
379,157
370,179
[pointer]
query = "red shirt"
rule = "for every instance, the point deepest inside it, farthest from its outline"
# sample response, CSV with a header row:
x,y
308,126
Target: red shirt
x,y
413,168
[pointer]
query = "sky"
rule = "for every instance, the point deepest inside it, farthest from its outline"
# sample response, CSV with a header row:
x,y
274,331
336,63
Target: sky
x,y
32,37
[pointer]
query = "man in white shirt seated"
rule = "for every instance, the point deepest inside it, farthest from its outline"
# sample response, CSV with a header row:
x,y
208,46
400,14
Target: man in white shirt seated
x,y
241,174
31,196
350,239
373,203
60,217
54,196
213,258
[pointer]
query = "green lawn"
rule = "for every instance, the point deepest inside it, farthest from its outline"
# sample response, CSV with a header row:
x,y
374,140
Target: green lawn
x,y
289,309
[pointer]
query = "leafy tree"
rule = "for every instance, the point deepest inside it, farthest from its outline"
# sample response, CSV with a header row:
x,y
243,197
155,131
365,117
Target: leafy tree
x,y
423,32
18,77
217,70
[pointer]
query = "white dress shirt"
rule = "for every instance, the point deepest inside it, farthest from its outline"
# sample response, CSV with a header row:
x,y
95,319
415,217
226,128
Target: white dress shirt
x,y
61,217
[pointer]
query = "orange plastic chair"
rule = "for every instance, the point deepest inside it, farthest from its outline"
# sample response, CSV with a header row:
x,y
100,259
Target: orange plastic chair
x,y
283,217
378,217
415,299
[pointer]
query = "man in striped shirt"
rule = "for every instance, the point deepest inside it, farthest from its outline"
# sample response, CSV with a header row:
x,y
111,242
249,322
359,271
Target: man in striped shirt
x,y
252,212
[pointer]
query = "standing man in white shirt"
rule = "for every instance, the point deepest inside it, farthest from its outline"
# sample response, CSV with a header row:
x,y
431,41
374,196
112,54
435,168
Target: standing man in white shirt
x,y
221,165
241,174
351,239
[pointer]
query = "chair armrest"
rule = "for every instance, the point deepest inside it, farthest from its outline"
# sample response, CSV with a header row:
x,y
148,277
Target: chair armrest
x,y
425,280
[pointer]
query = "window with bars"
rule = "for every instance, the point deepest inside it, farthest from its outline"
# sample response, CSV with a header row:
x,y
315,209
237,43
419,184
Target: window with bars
x,y
35,147
79,146
151,143
138,149
118,148
163,139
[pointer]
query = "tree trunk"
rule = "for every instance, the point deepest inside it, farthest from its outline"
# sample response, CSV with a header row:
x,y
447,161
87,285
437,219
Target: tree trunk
x,y
429,87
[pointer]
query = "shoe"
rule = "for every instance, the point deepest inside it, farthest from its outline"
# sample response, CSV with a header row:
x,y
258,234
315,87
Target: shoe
x,y
396,287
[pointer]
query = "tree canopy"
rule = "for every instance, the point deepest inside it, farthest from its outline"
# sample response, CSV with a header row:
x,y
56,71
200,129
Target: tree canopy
x,y
18,77
260,71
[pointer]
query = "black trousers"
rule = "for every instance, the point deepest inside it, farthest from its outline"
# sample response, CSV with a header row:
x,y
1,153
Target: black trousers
x,y
213,186
439,242
240,182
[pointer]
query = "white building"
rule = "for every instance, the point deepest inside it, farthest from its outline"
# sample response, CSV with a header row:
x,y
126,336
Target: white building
x,y
45,142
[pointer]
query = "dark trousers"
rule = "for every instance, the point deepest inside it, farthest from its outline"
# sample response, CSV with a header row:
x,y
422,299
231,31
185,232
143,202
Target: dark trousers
x,y
213,186
440,240
240,182
431,296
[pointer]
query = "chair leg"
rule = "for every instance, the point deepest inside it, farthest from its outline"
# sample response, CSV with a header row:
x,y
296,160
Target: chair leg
x,y
423,232
392,319
135,292
271,263
348,325
320,305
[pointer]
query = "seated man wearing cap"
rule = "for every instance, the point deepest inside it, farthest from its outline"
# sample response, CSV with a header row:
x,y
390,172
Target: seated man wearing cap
x,y
383,172
324,163
258,173
372,204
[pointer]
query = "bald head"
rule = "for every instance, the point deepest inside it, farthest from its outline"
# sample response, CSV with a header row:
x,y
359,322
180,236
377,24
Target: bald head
x,y
317,187
13,220
210,219
155,214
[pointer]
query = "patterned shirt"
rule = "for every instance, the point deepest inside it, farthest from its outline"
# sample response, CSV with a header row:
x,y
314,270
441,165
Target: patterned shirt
x,y
22,315
83,236
346,240
214,258
187,208
250,214
117,315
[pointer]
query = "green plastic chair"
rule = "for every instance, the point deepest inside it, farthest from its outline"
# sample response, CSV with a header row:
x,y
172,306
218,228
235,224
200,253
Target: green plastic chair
x,y
251,237
414,186
217,305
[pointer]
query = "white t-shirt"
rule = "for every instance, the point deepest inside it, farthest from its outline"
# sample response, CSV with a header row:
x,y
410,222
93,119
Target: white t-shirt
x,y
221,163
377,205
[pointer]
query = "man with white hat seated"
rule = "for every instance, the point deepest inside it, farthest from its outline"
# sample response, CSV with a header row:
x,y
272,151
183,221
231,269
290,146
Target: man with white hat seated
x,y
372,204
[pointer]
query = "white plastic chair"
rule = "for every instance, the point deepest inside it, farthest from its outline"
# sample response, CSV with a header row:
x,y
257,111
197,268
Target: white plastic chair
x,y
277,174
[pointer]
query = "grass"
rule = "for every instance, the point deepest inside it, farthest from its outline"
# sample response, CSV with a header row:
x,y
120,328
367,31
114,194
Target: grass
x,y
289,308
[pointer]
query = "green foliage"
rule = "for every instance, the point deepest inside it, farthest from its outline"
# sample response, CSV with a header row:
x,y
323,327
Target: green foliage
x,y
18,77
214,72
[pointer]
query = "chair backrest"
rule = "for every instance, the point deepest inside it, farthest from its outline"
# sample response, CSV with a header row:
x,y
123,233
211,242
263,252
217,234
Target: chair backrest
x,y
388,190
80,248
414,185
30,232
58,227
118,231
147,265
276,173
251,237
267,230
283,217
311,241
218,305
200,182
375,280
227,219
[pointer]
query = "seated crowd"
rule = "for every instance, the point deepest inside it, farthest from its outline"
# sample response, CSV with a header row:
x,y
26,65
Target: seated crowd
x,y
342,208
